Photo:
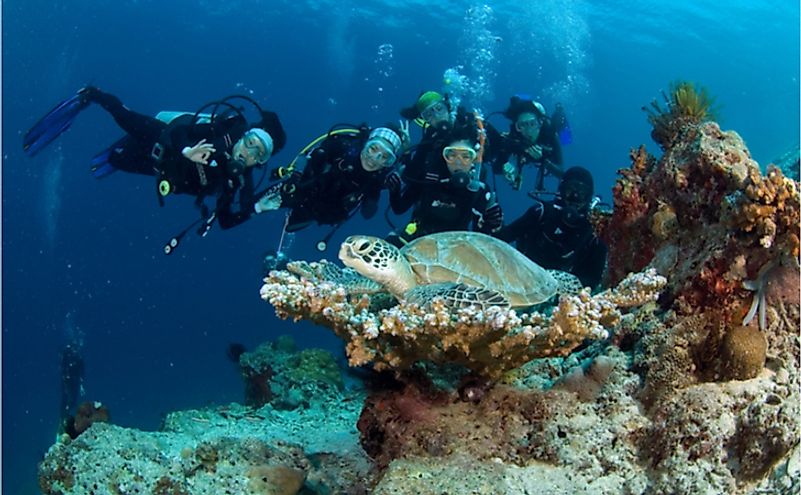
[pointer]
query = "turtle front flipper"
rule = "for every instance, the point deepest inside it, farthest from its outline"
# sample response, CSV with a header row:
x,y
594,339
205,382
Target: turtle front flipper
x,y
325,271
568,283
456,296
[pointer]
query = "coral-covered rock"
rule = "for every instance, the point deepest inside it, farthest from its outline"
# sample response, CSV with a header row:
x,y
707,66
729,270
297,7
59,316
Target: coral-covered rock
x,y
721,435
505,424
703,207
232,449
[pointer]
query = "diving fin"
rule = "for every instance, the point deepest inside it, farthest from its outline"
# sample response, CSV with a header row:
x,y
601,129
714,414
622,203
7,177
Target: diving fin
x,y
53,124
561,125
101,162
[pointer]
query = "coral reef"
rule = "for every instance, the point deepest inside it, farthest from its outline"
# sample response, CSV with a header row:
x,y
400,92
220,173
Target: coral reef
x,y
486,342
278,374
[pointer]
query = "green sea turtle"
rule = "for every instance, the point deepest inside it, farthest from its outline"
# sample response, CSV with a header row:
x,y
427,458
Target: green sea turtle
x,y
465,268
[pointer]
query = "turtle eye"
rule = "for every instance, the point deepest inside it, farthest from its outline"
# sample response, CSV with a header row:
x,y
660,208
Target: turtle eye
x,y
363,246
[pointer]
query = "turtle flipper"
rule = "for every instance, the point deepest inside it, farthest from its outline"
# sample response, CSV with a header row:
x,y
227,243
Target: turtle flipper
x,y
568,283
325,271
456,296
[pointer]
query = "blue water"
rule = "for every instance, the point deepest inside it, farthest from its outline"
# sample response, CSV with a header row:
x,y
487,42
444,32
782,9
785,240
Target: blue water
x,y
156,327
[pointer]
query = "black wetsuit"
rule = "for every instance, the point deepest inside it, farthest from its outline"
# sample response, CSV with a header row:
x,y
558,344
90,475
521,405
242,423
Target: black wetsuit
x,y
333,184
441,207
153,147
542,235
513,145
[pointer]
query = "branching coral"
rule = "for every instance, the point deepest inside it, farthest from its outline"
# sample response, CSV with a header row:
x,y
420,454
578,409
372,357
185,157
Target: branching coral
x,y
487,342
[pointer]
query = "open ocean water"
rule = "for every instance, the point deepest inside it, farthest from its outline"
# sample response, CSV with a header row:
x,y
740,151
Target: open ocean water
x,y
82,258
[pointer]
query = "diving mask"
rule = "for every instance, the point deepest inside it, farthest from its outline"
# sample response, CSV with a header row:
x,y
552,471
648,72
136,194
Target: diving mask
x,y
376,154
254,147
436,112
459,155
576,194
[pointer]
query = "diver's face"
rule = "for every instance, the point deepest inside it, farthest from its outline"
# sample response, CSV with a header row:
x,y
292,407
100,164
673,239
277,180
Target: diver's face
x,y
575,194
528,125
459,157
436,114
250,150
376,154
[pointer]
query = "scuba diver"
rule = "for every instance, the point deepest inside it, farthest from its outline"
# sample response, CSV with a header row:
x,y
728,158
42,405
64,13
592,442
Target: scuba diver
x,y
441,124
533,139
198,154
344,173
453,203
558,234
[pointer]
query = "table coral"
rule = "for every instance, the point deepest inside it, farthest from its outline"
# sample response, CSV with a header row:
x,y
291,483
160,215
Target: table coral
x,y
487,342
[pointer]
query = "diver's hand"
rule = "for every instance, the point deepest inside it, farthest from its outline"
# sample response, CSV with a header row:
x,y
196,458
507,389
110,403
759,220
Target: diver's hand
x,y
534,152
405,136
269,202
200,152
393,182
492,220
510,171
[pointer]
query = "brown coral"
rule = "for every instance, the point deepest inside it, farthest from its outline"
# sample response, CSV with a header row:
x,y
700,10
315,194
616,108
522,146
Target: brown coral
x,y
742,353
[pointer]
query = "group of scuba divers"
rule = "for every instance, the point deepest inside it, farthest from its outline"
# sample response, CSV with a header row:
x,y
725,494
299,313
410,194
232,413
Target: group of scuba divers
x,y
447,179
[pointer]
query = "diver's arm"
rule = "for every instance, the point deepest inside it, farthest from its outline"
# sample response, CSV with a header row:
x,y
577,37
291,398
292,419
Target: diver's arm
x,y
405,198
226,217
552,153
526,222
313,172
590,269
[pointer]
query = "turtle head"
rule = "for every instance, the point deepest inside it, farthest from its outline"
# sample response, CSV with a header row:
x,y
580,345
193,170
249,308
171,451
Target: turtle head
x,y
378,260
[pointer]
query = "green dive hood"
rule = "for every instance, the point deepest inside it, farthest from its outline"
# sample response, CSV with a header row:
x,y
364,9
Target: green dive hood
x,y
426,100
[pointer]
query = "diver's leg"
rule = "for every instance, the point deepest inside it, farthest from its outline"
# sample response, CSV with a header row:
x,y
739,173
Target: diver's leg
x,y
142,127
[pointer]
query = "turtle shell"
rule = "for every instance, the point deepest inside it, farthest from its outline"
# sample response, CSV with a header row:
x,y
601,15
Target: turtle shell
x,y
479,260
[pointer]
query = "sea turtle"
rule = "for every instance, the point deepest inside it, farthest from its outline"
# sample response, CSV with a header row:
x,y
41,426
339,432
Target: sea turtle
x,y
465,268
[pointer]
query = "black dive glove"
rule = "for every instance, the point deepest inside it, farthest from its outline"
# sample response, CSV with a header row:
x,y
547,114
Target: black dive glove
x,y
94,95
393,182
492,220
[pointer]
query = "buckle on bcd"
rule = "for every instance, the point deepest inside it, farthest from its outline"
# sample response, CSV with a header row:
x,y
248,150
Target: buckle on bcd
x,y
157,152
